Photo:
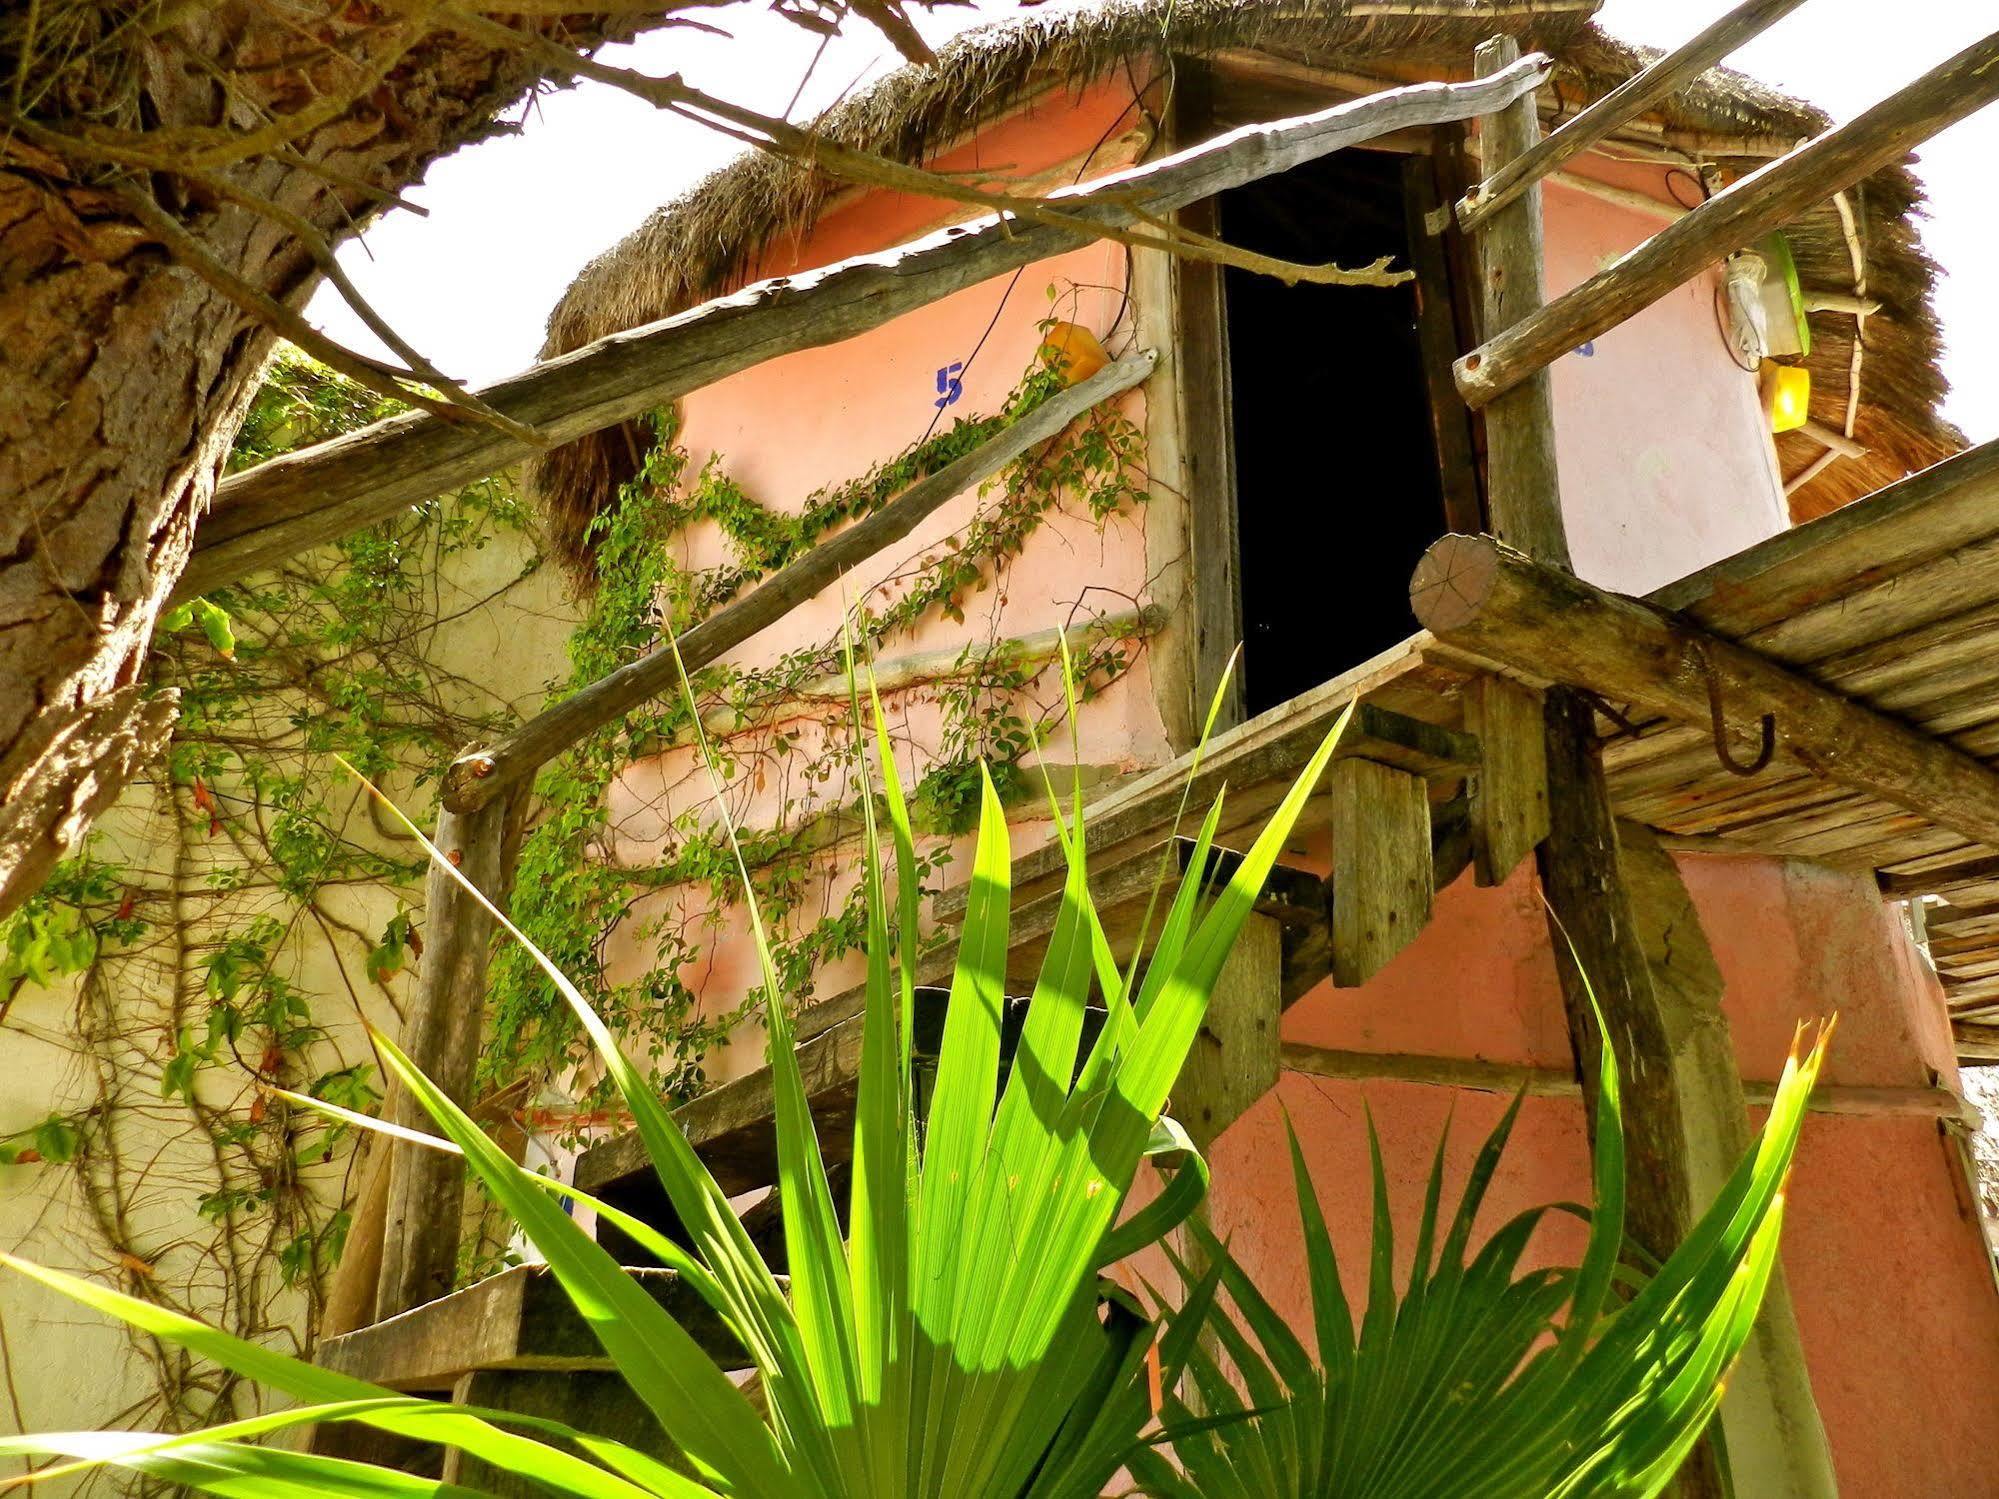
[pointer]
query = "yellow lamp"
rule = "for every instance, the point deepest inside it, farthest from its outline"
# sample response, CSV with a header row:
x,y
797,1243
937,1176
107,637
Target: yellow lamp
x,y
1790,397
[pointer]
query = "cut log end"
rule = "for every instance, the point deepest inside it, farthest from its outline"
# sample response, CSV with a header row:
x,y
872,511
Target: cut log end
x,y
1453,581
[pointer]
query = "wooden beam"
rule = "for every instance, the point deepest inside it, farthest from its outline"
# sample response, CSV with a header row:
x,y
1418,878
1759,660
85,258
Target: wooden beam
x,y
1745,210
1853,1100
1621,105
1476,594
1509,800
280,508
426,1191
475,779
1382,878
518,1319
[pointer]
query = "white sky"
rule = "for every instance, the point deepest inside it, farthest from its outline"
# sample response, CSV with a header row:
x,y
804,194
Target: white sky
x,y
513,219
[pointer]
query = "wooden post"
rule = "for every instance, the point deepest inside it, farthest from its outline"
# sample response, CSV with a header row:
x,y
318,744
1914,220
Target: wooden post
x,y
1599,952
1776,1443
1522,488
1509,800
1382,875
1234,1061
441,1035
1589,909
1205,416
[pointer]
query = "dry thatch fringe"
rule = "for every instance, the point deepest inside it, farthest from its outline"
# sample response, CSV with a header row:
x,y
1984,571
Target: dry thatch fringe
x,y
712,239
803,148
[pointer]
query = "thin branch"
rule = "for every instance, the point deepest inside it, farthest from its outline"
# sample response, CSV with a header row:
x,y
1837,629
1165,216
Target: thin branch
x,y
290,325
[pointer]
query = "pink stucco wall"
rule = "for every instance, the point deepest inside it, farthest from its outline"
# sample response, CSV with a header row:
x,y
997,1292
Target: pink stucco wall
x,y
1665,467
1884,1253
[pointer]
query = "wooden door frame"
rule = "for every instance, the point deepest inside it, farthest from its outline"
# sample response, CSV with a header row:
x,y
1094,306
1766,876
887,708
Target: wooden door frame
x,y
1191,522
1192,532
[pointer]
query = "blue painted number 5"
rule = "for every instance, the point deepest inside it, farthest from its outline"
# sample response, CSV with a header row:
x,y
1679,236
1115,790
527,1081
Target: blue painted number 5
x,y
949,386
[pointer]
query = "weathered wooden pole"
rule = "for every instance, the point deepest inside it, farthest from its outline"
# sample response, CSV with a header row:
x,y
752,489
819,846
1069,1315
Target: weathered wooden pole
x,y
1594,930
426,1193
1596,927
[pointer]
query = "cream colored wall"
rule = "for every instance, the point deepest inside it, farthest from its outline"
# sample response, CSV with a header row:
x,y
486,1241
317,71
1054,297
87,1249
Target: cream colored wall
x,y
64,1367
1665,454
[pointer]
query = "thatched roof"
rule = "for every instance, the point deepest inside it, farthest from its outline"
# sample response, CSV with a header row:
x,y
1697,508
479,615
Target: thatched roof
x,y
707,242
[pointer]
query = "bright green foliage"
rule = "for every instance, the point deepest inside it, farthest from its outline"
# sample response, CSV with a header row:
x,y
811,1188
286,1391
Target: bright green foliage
x,y
954,1344
1456,1386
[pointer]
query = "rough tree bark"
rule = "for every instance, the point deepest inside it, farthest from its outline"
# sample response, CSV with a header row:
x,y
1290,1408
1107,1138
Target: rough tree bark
x,y
124,375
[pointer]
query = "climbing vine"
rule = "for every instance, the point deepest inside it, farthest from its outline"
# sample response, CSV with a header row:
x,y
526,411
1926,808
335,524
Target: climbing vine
x,y
776,734
239,913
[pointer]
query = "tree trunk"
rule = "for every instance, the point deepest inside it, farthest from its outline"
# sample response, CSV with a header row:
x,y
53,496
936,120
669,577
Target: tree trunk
x,y
123,375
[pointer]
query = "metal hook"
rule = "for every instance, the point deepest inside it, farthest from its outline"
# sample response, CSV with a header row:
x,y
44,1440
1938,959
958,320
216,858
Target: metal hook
x,y
1718,722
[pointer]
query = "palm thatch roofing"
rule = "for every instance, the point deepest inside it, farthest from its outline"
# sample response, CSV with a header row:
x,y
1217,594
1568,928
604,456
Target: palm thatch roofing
x,y
707,242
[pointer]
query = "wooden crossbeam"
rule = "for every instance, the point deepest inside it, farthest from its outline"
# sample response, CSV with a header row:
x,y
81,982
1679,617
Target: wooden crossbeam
x,y
519,1319
475,779
1477,594
1619,107
1745,210
1874,1101
318,494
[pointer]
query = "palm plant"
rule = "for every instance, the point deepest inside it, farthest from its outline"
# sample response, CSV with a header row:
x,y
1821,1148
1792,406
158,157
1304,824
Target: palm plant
x,y
956,1343
960,1341
1480,1381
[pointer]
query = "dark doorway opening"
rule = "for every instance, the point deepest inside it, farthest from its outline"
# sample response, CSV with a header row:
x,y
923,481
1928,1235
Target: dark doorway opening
x,y
1339,487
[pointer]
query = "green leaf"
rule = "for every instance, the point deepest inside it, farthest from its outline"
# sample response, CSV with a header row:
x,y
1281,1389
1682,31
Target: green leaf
x,y
216,625
57,1139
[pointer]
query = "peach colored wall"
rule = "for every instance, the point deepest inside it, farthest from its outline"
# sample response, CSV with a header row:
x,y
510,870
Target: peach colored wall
x,y
1884,1253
